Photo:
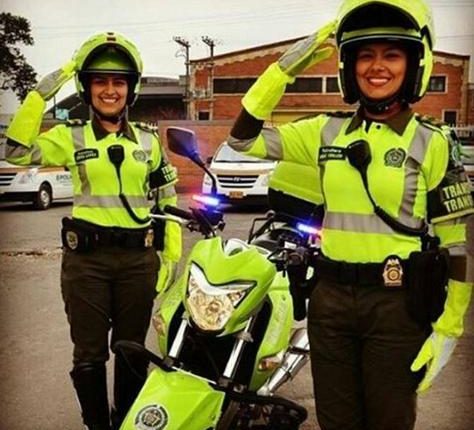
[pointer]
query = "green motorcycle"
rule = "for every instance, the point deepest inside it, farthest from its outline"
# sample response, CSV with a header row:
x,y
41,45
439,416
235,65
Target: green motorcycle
x,y
225,326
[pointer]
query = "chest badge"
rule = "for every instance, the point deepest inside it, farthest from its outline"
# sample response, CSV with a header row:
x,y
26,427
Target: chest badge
x,y
139,155
393,272
72,240
395,157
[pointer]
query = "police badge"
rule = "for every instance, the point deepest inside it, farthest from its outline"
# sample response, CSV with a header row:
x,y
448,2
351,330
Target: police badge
x,y
395,157
72,240
393,272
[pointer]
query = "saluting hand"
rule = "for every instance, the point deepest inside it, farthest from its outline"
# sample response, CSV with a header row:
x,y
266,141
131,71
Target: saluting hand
x,y
49,85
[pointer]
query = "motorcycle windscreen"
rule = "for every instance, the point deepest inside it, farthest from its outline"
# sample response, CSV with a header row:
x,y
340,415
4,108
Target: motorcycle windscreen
x,y
174,401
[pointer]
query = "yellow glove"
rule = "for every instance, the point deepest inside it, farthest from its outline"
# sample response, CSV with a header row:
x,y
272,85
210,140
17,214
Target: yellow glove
x,y
52,83
264,95
307,52
437,349
166,275
434,354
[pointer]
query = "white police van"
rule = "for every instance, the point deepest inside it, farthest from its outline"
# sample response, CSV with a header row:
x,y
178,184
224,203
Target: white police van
x,y
38,185
240,178
466,136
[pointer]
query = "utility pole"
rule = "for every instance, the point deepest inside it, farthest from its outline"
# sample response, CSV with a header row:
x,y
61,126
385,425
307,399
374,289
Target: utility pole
x,y
210,80
187,96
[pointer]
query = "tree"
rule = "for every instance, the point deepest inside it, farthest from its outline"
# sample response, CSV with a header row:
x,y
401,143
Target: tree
x,y
15,73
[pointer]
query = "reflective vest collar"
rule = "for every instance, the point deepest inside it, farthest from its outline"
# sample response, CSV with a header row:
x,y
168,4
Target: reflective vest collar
x,y
101,133
398,123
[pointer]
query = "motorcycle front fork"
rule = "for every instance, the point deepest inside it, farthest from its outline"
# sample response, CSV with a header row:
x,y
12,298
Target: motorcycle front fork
x,y
296,356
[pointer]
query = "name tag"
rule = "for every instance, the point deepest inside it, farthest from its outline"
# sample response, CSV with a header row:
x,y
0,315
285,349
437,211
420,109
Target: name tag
x,y
327,153
86,154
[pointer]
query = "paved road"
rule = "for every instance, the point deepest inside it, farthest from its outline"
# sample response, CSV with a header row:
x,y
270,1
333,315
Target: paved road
x,y
35,391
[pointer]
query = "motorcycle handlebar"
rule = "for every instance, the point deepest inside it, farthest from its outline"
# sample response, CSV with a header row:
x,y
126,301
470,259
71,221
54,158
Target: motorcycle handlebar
x,y
181,213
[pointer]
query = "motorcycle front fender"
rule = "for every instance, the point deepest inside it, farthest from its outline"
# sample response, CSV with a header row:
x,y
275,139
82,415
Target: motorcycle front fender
x,y
174,401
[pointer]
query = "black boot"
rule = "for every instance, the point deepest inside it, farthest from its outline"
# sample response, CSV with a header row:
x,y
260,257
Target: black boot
x,y
129,378
90,382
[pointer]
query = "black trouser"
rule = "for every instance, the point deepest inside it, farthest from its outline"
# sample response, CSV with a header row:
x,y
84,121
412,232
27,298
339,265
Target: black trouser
x,y
362,344
108,288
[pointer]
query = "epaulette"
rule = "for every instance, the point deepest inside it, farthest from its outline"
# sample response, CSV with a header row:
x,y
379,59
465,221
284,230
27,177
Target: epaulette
x,y
340,114
336,114
146,127
431,121
76,123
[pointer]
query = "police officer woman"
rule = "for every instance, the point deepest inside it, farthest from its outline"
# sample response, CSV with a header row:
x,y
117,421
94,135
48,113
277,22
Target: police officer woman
x,y
110,265
379,323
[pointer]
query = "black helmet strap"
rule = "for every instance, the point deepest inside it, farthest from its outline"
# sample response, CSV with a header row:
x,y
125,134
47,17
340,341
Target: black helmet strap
x,y
380,106
114,119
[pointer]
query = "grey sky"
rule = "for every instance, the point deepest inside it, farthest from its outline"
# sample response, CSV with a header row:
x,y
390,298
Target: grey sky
x,y
60,26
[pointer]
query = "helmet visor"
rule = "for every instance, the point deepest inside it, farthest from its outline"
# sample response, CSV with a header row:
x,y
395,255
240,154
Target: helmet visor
x,y
109,60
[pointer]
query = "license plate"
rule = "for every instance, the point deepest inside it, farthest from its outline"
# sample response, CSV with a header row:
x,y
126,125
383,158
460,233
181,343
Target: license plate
x,y
236,194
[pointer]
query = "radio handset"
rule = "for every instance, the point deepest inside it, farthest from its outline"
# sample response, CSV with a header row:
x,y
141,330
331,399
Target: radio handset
x,y
358,154
116,156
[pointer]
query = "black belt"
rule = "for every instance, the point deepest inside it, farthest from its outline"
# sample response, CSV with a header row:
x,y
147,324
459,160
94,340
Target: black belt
x,y
82,236
361,274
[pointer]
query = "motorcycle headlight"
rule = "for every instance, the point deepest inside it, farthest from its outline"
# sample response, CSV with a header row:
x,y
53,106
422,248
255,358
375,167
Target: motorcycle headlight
x,y
211,306
29,176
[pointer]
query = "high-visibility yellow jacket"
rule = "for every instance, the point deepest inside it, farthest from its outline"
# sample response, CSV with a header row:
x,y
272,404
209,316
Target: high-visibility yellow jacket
x,y
414,176
298,181
81,146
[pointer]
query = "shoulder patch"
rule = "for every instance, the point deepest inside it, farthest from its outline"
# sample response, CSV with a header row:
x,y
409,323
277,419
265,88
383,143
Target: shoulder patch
x,y
146,127
76,123
340,114
431,121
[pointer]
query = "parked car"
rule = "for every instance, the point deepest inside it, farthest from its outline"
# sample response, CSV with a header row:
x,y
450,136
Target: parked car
x,y
38,185
240,178
466,136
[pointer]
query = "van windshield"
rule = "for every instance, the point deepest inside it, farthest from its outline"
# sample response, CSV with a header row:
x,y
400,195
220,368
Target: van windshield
x,y
225,154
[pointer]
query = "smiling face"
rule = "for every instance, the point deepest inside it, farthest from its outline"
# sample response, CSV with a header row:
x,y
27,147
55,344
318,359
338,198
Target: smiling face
x,y
380,69
109,93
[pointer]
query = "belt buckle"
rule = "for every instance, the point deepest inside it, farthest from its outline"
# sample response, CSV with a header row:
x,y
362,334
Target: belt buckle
x,y
149,236
392,272
72,240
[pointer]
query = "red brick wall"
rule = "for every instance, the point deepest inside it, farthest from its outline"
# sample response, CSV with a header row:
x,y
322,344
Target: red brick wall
x,y
252,65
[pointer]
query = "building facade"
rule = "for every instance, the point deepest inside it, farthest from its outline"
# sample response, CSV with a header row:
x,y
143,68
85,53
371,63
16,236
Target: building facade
x,y
217,85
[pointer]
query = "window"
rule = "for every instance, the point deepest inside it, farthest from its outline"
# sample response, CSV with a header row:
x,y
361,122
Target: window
x,y
203,115
306,85
450,117
232,85
332,84
437,84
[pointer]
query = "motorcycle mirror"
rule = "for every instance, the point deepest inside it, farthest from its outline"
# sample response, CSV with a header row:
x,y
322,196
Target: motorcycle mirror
x,y
182,141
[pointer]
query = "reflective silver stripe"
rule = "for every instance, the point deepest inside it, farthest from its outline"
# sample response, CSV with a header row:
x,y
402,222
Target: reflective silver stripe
x,y
241,145
329,133
331,130
457,249
166,192
359,223
146,140
78,140
416,155
18,151
109,201
273,143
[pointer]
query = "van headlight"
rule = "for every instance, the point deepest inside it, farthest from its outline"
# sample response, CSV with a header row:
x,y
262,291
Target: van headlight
x,y
211,306
207,180
29,176
265,179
